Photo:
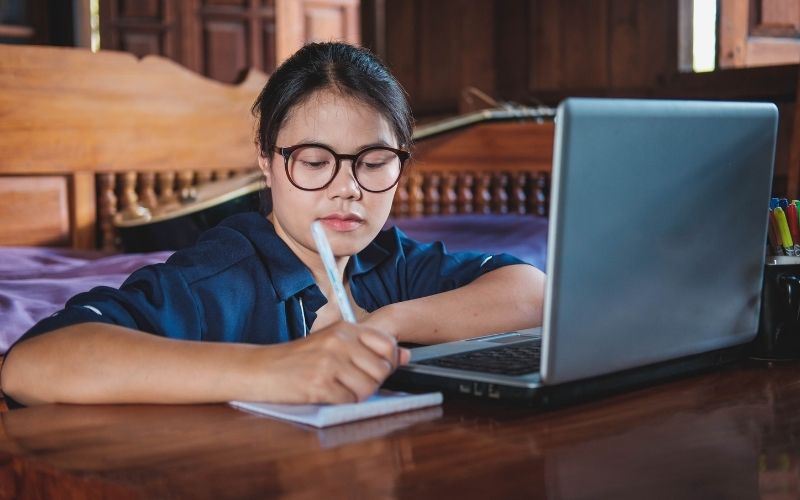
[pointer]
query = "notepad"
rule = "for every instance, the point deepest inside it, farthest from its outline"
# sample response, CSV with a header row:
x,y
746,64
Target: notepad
x,y
382,402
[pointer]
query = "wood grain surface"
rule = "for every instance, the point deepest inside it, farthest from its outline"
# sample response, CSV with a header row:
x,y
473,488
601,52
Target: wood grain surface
x,y
732,433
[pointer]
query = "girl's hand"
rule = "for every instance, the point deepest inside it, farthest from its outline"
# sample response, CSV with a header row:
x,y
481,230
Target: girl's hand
x,y
342,363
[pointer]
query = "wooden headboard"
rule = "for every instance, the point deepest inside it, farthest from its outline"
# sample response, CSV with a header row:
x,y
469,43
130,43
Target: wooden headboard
x,y
84,136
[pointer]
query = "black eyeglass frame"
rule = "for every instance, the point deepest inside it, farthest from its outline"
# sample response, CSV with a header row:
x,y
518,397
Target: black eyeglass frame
x,y
286,153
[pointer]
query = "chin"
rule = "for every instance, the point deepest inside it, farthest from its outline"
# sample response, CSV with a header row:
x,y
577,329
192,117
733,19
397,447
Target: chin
x,y
344,244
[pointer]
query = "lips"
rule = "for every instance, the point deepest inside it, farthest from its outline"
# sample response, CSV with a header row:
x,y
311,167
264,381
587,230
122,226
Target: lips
x,y
342,222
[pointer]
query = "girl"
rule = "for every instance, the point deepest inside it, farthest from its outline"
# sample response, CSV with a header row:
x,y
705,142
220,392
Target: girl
x,y
247,313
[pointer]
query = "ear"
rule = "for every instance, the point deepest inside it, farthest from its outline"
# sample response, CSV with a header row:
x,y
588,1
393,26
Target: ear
x,y
266,169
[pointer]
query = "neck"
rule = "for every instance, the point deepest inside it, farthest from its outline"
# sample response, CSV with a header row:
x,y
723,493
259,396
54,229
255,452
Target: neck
x,y
313,261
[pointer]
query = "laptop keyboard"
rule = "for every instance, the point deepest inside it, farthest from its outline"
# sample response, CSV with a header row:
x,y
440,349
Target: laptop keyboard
x,y
515,359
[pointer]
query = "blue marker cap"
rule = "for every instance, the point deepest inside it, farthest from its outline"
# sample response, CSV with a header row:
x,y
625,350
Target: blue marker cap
x,y
784,203
773,202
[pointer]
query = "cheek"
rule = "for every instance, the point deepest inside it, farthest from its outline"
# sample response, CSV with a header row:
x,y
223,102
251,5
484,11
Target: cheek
x,y
290,204
379,207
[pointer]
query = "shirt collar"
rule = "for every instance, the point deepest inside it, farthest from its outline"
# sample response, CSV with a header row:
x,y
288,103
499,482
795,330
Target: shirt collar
x,y
366,260
289,275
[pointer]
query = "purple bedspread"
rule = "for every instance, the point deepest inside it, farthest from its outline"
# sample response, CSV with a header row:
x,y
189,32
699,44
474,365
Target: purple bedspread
x,y
36,282
523,236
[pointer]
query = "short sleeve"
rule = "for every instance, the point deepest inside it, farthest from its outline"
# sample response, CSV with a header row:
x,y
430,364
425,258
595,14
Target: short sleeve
x,y
155,299
395,268
428,268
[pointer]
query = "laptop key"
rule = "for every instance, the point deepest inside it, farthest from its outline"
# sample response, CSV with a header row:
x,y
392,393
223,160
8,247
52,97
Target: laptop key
x,y
515,359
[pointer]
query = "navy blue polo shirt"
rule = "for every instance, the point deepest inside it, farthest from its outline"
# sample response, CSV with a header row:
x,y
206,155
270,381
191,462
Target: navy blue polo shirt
x,y
241,283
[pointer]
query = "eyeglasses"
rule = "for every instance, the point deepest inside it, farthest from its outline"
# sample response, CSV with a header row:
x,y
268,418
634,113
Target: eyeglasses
x,y
312,167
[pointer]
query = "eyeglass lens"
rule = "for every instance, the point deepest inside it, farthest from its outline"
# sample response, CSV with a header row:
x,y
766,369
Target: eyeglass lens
x,y
313,167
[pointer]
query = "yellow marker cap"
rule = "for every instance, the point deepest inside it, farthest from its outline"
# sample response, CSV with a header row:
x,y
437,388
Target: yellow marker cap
x,y
783,227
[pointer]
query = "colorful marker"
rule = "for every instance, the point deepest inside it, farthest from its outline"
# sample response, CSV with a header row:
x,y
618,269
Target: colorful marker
x,y
783,229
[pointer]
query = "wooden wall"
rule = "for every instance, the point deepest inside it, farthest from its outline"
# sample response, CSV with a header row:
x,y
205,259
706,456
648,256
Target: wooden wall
x,y
540,51
524,50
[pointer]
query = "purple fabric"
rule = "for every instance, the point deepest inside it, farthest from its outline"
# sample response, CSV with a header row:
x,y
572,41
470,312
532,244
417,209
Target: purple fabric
x,y
36,282
523,236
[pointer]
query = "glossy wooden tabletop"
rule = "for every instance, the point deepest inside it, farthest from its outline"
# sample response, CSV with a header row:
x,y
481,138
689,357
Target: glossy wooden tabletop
x,y
733,433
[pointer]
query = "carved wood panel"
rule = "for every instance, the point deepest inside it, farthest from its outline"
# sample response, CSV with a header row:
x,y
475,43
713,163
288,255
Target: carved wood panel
x,y
35,210
758,32
301,21
221,39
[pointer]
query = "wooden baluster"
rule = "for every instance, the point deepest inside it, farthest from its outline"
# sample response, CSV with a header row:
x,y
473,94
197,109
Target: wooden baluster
x,y
464,196
516,200
128,199
432,198
203,177
166,188
107,209
147,191
449,200
220,174
415,194
538,200
400,203
186,191
482,196
499,202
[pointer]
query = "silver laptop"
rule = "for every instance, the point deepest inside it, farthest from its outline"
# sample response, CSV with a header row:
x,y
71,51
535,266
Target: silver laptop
x,y
656,250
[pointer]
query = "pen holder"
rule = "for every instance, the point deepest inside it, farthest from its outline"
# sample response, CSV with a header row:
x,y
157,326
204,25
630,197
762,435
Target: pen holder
x,y
779,322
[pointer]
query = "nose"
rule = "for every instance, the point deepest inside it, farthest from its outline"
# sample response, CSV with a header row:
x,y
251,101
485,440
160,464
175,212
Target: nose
x,y
344,185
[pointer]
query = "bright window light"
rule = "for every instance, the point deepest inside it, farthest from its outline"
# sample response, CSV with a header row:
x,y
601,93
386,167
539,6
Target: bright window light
x,y
94,24
704,34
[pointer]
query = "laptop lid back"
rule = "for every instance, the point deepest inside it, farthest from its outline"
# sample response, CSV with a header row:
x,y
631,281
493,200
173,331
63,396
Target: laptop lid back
x,y
657,236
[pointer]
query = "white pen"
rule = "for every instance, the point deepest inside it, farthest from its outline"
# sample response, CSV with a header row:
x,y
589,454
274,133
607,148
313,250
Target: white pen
x,y
324,249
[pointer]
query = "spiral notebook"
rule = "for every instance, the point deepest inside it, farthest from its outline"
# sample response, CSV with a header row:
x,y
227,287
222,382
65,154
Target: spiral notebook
x,y
382,402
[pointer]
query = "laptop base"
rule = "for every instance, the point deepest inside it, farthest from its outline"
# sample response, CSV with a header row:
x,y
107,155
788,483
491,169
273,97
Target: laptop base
x,y
572,392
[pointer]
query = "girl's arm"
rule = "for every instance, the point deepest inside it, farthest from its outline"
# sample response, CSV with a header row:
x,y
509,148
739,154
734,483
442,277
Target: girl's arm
x,y
507,298
102,363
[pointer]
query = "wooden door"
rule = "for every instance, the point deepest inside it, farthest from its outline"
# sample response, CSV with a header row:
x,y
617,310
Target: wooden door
x,y
758,32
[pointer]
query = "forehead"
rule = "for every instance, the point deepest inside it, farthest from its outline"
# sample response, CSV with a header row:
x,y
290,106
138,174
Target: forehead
x,y
335,119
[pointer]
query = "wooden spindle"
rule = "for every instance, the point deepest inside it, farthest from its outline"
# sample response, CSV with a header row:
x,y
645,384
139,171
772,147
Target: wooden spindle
x,y
465,199
516,199
431,193
449,200
499,201
415,194
129,205
146,182
482,195
538,201
186,190
166,188
202,177
400,203
107,209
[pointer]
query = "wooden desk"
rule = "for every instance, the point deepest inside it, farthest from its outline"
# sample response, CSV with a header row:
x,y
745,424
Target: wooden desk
x,y
728,434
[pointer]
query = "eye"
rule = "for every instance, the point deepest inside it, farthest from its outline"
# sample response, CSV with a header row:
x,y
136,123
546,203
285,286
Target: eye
x,y
314,164
376,159
372,165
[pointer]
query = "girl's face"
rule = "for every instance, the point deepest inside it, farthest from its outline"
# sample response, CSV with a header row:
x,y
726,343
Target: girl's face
x,y
351,216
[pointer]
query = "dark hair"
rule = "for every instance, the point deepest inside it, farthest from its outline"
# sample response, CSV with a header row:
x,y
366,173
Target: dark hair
x,y
353,71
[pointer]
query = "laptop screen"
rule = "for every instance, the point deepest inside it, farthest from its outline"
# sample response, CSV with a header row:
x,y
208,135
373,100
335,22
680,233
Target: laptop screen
x,y
657,233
